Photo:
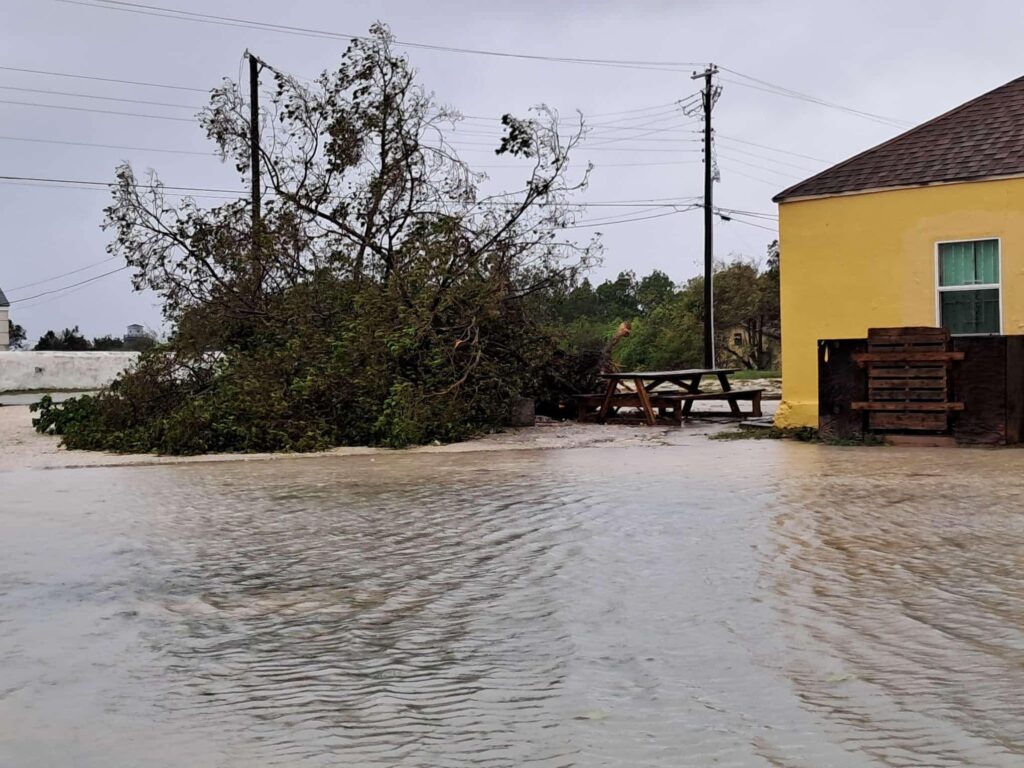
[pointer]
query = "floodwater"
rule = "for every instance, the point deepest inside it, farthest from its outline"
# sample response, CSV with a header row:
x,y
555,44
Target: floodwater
x,y
720,604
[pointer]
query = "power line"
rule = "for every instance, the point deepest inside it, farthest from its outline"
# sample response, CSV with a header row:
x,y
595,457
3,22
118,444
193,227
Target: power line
x,y
760,167
207,18
35,185
754,214
581,149
47,180
641,137
97,111
783,91
73,285
774,184
725,137
107,146
599,164
23,308
456,132
771,159
103,79
627,221
63,274
103,186
93,96
636,111
732,217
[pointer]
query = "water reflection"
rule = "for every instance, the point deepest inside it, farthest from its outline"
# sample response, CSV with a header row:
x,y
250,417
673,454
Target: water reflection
x,y
728,604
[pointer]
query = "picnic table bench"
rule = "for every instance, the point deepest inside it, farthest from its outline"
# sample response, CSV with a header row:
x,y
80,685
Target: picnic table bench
x,y
650,391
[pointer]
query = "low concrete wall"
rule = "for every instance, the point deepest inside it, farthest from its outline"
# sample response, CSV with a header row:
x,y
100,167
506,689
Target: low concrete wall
x,y
61,370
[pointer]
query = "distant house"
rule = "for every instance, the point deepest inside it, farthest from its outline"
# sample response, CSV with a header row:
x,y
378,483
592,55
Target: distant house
x,y
926,229
137,332
5,321
738,346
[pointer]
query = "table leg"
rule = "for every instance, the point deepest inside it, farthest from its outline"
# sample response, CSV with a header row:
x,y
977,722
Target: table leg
x,y
723,379
606,405
645,402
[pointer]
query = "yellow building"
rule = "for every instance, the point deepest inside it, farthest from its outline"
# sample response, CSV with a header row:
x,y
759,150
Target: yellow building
x,y
926,229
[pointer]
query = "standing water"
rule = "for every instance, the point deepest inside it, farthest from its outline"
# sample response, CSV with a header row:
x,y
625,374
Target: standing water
x,y
727,604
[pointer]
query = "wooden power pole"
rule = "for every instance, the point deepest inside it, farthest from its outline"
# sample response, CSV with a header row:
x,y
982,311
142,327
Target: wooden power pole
x,y
254,145
708,101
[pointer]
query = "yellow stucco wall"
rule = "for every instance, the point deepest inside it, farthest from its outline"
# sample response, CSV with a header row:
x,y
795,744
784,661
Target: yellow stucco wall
x,y
868,260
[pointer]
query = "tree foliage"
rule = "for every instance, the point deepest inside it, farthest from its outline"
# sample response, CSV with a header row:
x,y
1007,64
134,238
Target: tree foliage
x,y
384,298
72,340
667,321
68,340
16,335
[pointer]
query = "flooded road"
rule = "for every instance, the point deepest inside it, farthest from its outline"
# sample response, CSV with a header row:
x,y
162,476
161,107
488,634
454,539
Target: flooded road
x,y
727,604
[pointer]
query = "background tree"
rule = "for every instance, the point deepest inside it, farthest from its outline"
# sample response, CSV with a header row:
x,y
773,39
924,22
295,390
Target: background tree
x,y
666,322
16,335
107,343
68,340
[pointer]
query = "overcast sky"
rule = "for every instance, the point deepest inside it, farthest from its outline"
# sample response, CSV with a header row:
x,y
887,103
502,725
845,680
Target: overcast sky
x,y
903,60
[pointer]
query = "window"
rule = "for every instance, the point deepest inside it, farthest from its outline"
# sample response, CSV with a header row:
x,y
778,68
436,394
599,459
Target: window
x,y
969,287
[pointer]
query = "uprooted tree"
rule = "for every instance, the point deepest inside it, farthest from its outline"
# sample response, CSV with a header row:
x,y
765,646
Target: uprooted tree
x,y
382,299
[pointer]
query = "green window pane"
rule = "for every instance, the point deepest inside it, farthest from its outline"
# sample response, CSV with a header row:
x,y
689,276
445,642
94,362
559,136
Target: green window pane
x,y
970,311
986,261
969,263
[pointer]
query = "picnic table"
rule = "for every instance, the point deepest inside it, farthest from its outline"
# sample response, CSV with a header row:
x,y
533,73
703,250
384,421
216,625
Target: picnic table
x,y
669,391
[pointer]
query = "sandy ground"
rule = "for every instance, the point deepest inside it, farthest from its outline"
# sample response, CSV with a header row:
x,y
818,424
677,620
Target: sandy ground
x,y
21,447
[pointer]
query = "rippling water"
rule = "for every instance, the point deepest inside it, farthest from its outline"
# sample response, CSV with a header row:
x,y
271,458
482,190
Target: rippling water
x,y
751,604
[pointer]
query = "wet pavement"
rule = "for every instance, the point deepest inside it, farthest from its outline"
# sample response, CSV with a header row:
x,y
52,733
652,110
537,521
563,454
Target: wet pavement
x,y
755,603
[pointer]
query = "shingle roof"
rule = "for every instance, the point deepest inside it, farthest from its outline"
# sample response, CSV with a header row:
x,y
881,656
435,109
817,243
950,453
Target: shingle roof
x,y
3,299
977,140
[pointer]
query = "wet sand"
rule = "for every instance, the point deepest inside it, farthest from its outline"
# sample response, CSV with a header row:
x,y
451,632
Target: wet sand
x,y
21,447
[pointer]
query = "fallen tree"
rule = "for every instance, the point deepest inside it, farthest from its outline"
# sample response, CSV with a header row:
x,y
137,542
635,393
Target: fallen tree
x,y
380,298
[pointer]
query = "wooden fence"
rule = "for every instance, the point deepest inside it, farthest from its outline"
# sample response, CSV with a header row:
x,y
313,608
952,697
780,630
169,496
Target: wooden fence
x,y
989,381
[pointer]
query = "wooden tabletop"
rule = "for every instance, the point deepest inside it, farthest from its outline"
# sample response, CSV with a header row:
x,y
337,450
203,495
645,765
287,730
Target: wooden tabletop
x,y
685,373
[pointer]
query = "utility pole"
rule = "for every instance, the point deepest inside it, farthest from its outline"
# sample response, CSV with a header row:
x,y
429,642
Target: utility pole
x,y
254,145
708,101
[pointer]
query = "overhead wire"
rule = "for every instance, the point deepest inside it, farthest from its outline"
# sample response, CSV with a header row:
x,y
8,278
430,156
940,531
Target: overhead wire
x,y
727,138
101,98
75,75
183,15
630,220
62,274
776,184
103,186
760,167
73,285
780,90
97,111
755,214
107,146
768,159
732,217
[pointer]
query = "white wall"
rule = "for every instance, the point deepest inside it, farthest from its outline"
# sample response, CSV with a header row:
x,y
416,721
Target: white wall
x,y
61,370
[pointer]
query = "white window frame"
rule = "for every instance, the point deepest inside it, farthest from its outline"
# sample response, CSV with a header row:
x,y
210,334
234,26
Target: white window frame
x,y
940,289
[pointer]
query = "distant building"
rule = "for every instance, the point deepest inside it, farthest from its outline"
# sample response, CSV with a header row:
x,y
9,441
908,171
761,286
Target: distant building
x,y
737,345
5,321
136,331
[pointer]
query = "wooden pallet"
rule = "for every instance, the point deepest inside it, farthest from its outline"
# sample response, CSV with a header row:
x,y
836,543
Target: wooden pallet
x,y
908,379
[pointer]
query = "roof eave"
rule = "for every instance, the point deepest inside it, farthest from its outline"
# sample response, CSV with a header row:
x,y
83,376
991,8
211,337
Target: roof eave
x,y
786,197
